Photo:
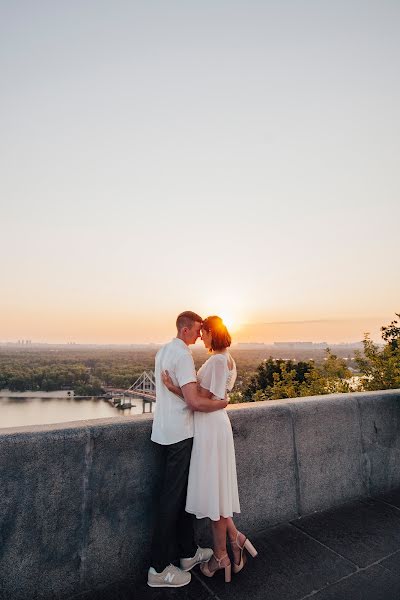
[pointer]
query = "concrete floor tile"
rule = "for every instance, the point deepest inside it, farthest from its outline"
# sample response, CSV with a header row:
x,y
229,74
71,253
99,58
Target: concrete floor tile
x,y
362,531
134,591
375,583
392,563
289,565
316,555
392,497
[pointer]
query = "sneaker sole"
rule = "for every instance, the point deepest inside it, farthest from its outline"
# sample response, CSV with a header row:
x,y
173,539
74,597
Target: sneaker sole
x,y
168,585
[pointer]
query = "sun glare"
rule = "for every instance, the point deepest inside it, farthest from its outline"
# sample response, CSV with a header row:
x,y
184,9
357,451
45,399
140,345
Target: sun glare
x,y
229,321
229,307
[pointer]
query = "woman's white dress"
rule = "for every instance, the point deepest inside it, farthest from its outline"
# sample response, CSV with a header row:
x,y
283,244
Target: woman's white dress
x,y
212,486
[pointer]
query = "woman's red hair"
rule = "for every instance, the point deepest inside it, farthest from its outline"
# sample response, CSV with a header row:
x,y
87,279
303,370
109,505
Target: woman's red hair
x,y
220,337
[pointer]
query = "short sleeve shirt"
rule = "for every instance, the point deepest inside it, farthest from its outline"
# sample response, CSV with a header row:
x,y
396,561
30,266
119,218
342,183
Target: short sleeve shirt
x,y
173,419
215,375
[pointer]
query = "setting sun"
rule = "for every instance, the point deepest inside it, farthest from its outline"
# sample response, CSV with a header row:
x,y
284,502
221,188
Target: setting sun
x,y
229,309
228,318
229,321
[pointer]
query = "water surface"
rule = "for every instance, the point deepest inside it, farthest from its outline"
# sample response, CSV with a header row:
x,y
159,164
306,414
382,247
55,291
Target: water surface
x,y
16,411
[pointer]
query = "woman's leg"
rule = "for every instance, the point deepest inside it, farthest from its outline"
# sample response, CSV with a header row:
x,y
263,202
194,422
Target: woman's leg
x,y
238,540
219,536
231,528
220,558
232,534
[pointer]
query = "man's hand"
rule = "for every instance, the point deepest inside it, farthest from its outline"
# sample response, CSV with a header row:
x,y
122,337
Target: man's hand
x,y
225,401
167,381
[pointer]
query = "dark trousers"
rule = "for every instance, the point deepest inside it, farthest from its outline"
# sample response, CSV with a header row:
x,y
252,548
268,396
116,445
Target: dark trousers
x,y
174,533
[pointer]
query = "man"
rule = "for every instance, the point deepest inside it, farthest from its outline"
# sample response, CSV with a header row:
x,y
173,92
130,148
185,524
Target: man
x,y
173,431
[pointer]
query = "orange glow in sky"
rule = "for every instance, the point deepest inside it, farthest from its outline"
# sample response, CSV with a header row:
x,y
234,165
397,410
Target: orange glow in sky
x,y
157,165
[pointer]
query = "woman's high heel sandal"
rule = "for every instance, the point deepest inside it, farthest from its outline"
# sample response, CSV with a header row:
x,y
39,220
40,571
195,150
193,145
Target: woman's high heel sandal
x,y
245,545
205,568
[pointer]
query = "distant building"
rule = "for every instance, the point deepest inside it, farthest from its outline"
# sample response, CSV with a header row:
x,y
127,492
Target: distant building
x,y
302,345
247,345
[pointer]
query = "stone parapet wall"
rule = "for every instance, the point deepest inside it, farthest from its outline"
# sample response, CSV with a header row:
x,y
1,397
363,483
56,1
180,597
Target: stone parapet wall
x,y
77,499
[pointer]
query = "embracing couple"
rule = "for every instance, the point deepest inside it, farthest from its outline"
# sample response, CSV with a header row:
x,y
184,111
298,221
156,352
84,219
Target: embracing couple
x,y
194,433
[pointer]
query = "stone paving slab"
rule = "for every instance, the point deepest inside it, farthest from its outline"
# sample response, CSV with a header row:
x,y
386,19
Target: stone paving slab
x,y
392,564
141,591
375,583
362,531
392,498
351,552
289,565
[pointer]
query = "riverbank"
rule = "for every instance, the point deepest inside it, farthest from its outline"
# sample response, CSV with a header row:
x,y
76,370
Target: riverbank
x,y
28,394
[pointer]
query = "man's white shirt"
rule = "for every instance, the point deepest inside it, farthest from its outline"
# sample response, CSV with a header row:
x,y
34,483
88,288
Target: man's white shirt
x,y
173,419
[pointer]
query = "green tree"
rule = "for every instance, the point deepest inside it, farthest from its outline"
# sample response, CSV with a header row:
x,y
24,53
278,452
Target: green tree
x,y
380,367
286,384
328,378
334,373
391,333
235,397
276,379
271,373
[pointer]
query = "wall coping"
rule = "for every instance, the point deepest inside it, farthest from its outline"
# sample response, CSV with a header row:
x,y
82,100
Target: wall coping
x,y
241,406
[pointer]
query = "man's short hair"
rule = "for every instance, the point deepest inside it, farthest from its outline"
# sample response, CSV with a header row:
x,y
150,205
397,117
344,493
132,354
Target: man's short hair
x,y
187,319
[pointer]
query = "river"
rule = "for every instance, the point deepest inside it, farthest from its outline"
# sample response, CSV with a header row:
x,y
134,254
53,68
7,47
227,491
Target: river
x,y
39,408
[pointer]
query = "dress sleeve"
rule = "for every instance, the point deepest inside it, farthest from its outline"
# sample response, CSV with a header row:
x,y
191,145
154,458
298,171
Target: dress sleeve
x,y
185,371
214,377
231,377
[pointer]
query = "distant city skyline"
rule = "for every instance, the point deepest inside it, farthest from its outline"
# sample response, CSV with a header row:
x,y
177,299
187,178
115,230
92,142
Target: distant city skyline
x,y
336,331
238,159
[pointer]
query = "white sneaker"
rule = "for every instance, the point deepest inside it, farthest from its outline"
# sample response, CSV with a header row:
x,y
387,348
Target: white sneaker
x,y
202,555
170,577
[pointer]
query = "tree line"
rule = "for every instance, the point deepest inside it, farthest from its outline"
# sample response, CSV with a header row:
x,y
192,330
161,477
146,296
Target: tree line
x,y
88,372
377,369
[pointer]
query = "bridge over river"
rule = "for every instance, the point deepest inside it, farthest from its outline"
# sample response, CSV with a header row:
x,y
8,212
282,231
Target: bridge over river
x,y
143,388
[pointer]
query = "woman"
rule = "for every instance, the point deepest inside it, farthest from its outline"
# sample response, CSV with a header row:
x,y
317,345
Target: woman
x,y
212,487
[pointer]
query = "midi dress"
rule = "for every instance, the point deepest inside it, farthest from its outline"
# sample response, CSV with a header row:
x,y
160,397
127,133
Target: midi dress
x,y
212,486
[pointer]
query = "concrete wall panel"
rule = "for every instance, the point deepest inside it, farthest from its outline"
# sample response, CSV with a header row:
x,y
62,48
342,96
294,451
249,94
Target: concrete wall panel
x,y
266,465
380,427
329,453
121,499
41,513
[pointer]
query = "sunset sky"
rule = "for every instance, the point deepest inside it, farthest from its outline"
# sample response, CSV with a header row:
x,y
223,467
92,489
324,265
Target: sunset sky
x,y
233,158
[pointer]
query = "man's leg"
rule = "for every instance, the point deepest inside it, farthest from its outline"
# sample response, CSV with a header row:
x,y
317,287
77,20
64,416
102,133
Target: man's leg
x,y
171,505
185,533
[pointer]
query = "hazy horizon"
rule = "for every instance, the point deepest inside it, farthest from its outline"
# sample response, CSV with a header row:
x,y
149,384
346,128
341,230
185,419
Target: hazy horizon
x,y
237,158
337,331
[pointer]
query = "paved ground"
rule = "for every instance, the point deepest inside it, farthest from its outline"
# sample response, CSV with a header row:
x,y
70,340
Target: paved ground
x,y
347,553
